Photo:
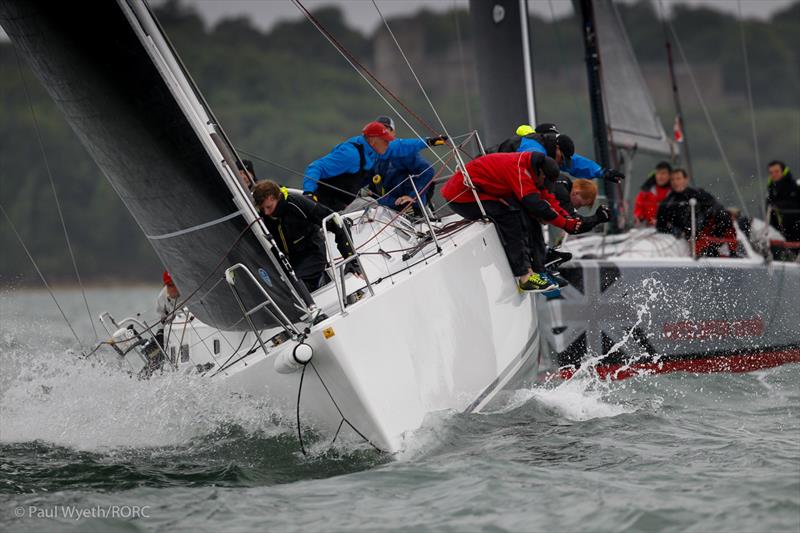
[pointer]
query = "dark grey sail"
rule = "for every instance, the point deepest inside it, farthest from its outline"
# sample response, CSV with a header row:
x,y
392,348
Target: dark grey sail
x,y
631,116
122,105
506,91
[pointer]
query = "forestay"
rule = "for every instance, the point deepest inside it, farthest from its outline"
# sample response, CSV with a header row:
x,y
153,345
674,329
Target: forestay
x,y
159,158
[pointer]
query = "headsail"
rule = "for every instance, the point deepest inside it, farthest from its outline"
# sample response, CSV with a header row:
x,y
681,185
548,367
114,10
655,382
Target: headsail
x,y
160,151
630,113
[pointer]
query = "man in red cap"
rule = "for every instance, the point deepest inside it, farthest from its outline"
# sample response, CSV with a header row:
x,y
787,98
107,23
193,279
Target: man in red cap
x,y
167,299
511,186
335,179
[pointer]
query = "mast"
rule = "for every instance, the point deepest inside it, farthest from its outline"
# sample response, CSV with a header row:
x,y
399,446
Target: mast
x,y
530,96
599,130
677,99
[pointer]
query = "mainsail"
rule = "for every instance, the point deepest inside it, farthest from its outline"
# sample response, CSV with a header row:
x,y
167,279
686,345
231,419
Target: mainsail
x,y
162,153
631,116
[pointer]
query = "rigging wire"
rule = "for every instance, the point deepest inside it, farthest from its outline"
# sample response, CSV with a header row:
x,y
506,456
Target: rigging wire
x,y
41,276
410,68
459,160
708,118
358,67
467,106
752,110
53,188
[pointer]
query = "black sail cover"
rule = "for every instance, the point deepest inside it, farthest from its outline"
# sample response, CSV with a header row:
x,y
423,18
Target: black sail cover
x,y
93,65
497,38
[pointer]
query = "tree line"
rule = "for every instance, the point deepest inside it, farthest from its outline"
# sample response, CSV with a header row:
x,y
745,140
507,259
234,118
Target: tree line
x,y
287,96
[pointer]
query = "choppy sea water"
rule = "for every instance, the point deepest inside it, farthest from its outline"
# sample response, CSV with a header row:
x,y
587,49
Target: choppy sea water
x,y
80,442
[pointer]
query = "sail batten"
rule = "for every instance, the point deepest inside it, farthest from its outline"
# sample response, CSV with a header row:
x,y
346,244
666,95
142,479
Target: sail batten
x,y
146,128
631,116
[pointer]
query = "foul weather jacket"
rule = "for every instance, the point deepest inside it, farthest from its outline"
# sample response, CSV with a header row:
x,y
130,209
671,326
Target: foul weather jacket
x,y
400,161
647,201
675,214
784,197
353,158
506,175
295,225
577,166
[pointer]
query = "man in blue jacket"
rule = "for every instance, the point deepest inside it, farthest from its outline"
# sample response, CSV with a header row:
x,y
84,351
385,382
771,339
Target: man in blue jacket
x,y
400,164
335,179
561,148
546,139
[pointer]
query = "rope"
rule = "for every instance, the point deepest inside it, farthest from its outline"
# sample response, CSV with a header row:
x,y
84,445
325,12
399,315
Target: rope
x,y
460,162
336,405
752,110
41,276
358,67
53,188
297,412
708,119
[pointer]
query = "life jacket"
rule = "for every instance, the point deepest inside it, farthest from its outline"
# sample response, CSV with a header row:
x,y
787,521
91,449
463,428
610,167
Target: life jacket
x,y
348,182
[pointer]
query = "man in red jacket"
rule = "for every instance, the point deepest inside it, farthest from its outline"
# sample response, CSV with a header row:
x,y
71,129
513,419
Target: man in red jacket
x,y
519,177
653,192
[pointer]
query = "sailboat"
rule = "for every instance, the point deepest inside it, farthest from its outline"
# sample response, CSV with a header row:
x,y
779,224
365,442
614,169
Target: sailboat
x,y
434,323
639,300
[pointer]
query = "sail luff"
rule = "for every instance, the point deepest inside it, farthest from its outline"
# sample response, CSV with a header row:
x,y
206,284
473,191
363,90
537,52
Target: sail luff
x,y
193,102
157,154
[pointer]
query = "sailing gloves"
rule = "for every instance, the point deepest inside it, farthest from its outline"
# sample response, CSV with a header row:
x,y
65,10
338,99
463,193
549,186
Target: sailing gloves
x,y
436,141
603,214
573,225
613,175
310,195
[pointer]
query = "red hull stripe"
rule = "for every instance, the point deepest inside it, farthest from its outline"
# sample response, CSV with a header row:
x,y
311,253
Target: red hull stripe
x,y
742,362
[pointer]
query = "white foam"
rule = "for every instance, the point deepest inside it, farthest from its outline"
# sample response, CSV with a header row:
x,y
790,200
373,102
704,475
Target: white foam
x,y
90,405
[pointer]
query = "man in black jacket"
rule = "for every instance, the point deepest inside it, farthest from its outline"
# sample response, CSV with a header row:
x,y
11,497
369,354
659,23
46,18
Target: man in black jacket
x,y
295,222
711,219
783,196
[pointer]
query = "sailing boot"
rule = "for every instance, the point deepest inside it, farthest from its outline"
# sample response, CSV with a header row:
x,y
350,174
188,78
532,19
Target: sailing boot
x,y
554,258
556,278
536,283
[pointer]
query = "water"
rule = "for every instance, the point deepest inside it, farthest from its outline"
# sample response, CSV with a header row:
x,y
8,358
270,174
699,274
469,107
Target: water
x,y
671,452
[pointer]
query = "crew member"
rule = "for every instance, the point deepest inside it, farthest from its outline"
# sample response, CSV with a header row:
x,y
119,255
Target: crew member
x,y
295,222
334,179
655,188
246,173
400,164
166,306
546,139
167,301
783,196
518,176
713,226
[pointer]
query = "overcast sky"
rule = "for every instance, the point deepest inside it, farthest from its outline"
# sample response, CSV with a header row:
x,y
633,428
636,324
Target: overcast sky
x,y
362,14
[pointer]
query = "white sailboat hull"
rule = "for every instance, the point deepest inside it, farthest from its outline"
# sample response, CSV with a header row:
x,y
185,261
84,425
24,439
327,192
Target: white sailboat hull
x,y
447,334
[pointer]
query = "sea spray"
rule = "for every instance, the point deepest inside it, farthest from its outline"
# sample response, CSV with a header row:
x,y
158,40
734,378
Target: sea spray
x,y
92,404
585,395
